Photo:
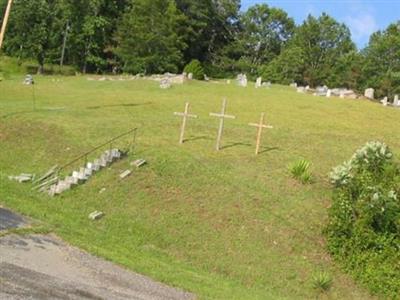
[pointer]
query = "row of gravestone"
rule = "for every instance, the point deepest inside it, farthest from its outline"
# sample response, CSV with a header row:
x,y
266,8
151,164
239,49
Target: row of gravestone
x,y
326,92
241,80
395,103
84,173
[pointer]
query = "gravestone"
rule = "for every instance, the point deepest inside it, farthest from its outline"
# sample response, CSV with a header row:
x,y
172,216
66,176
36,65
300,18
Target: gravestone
x,y
321,91
190,76
28,79
293,85
384,101
369,93
267,84
328,93
242,80
301,89
206,78
125,174
138,163
396,101
165,83
96,215
258,82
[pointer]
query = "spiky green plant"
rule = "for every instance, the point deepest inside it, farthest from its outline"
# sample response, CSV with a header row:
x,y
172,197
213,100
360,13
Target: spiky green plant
x,y
300,170
322,281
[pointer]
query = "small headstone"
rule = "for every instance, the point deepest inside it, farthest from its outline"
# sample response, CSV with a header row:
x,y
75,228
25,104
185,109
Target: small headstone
x,y
228,81
165,83
301,89
328,93
28,79
369,93
206,78
384,101
102,190
190,76
307,88
396,101
22,178
96,215
242,80
321,91
293,85
258,82
341,94
267,84
125,174
138,163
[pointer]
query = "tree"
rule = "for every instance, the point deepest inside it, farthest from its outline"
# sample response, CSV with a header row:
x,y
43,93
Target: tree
x,y
147,37
323,41
209,26
30,29
381,68
262,34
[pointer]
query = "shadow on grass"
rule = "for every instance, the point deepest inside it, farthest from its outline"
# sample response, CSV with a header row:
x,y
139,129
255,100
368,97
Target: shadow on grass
x,y
235,145
196,138
269,149
118,105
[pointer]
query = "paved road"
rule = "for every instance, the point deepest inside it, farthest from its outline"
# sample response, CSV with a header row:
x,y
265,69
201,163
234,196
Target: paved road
x,y
10,220
44,267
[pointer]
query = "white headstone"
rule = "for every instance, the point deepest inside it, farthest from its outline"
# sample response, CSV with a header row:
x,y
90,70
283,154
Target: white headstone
x,y
258,82
301,89
293,85
369,93
396,101
328,93
190,76
384,101
165,83
242,80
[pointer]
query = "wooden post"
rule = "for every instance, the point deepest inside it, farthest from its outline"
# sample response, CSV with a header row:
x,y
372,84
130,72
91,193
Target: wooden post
x,y
5,21
222,117
260,127
185,115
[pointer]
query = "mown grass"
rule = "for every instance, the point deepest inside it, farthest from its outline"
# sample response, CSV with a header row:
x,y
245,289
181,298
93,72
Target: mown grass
x,y
224,225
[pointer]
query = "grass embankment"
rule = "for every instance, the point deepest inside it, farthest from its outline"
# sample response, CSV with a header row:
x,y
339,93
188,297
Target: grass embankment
x,y
226,225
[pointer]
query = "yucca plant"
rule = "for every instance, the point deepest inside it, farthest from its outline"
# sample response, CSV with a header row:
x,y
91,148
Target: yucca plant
x,y
300,170
322,281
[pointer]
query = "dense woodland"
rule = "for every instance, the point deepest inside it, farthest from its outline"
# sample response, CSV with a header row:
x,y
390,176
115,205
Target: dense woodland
x,y
157,36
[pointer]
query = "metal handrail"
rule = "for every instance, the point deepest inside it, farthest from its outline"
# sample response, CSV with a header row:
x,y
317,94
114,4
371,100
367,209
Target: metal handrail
x,y
100,146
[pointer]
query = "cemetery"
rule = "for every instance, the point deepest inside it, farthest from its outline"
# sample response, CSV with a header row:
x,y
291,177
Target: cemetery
x,y
187,202
183,149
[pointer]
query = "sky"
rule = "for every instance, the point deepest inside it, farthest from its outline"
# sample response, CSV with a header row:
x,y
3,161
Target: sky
x,y
363,17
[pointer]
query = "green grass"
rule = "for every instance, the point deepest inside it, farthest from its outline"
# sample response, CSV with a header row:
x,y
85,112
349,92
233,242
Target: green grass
x,y
224,225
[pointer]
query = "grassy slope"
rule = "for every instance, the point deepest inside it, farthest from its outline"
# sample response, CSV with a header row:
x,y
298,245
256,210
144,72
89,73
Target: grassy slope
x,y
224,225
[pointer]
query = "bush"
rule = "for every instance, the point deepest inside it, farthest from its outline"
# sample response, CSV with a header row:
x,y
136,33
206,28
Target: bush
x,y
300,171
364,219
196,69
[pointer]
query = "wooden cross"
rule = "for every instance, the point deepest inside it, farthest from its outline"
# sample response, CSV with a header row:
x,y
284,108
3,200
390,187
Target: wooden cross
x,y
260,127
185,115
222,117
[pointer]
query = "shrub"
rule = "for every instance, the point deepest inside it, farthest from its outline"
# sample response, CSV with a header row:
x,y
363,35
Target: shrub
x,y
322,281
196,69
300,171
364,220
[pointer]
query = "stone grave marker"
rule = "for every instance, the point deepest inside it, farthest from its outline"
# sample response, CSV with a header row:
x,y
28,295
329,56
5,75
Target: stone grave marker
x,y
384,101
221,117
258,82
369,93
125,174
242,80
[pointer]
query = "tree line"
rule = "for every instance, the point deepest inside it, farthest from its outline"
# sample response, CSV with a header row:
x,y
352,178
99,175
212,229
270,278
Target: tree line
x,y
157,36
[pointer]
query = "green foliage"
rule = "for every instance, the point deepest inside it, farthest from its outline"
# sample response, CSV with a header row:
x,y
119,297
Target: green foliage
x,y
381,68
300,170
196,69
364,226
322,281
148,40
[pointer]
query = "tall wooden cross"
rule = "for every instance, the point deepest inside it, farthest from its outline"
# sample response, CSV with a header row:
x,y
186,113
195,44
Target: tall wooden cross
x,y
222,117
260,127
5,20
185,115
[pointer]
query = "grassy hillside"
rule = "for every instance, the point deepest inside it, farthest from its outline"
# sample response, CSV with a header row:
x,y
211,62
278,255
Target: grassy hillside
x,y
224,225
